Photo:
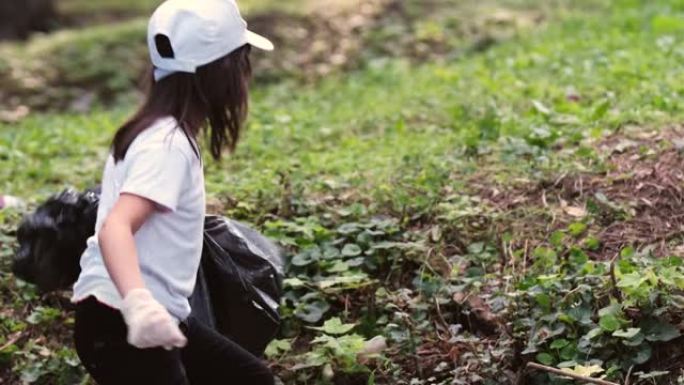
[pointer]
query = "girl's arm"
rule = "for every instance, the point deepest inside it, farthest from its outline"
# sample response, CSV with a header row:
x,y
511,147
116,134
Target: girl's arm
x,y
149,323
118,245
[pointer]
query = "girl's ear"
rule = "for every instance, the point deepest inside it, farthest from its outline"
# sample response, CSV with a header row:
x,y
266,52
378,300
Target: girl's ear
x,y
163,45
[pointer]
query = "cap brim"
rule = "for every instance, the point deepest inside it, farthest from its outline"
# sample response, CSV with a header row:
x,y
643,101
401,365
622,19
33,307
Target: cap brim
x,y
259,41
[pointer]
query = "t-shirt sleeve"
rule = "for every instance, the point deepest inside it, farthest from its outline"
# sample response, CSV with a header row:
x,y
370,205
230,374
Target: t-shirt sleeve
x,y
157,173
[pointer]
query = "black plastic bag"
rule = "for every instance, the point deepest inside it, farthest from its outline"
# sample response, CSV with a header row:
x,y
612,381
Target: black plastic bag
x,y
238,286
245,269
52,239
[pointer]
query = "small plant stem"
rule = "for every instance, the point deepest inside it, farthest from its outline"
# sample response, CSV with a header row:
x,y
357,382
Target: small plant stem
x,y
613,279
560,179
524,265
629,375
534,365
414,347
445,325
503,256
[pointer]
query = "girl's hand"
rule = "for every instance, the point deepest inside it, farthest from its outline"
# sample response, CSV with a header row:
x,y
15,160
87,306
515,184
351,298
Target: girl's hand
x,y
149,324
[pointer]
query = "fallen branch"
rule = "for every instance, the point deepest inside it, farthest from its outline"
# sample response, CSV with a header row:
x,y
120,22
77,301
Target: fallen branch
x,y
559,372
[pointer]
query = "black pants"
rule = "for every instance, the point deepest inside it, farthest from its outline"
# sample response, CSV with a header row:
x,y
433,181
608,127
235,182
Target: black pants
x,y
209,358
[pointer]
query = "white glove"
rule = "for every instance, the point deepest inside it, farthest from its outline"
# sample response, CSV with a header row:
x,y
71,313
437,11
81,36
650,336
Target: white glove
x,y
149,324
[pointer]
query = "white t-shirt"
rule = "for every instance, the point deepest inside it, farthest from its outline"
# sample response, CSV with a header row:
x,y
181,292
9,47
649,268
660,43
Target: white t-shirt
x,y
160,165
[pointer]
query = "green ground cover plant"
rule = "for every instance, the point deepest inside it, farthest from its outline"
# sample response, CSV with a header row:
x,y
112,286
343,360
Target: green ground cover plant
x,y
430,203
89,10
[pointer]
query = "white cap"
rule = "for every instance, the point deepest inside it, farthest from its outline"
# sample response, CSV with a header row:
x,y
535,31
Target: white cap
x,y
199,31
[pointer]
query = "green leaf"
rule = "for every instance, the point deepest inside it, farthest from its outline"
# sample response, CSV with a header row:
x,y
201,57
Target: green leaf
x,y
592,243
32,373
634,341
544,256
627,252
338,267
348,228
544,252
356,262
310,360
614,309
545,358
559,344
557,238
631,280
609,323
544,301
628,333
576,229
351,250
582,314
593,333
656,330
331,252
312,312
293,282
667,24
643,355
42,314
277,347
600,110
578,257
335,326
476,248
306,257
569,352
348,281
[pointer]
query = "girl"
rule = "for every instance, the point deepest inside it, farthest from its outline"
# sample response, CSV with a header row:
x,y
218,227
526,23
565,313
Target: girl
x,y
132,313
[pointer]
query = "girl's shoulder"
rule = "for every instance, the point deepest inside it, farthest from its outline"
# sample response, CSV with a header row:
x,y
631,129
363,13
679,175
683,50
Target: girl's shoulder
x,y
165,134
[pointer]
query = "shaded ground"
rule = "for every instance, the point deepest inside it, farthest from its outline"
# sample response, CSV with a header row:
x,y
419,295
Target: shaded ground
x,y
636,200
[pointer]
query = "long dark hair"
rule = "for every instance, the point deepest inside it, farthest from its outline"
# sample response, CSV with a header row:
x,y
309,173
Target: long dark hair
x,y
215,96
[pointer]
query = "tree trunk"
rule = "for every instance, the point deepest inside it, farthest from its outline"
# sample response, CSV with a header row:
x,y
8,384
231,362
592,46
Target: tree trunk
x,y
18,18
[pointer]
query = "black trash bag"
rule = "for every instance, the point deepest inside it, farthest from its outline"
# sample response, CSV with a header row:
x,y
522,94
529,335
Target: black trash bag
x,y
239,282
200,301
52,239
240,261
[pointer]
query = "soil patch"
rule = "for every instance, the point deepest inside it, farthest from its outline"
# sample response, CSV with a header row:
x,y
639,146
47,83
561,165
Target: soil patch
x,y
635,201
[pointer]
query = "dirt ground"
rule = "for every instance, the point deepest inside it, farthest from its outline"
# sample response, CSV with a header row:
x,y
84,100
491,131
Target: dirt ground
x,y
635,200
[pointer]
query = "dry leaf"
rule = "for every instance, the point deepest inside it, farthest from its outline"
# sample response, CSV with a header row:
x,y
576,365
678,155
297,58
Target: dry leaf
x,y
577,212
584,371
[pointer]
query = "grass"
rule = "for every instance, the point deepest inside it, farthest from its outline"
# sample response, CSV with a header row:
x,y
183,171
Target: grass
x,y
100,60
75,68
82,8
359,128
103,61
404,140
